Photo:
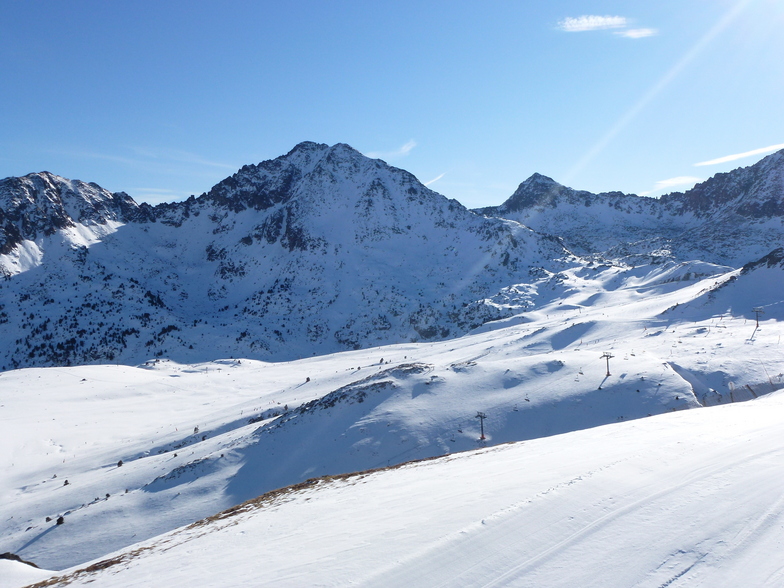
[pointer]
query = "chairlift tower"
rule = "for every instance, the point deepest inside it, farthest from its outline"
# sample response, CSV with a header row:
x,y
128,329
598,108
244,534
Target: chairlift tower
x,y
607,355
758,310
481,416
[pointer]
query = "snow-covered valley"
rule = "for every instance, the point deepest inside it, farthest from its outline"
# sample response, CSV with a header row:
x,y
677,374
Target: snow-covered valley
x,y
323,314
676,343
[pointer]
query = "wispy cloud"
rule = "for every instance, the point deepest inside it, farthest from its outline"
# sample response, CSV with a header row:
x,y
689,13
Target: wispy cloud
x,y
679,181
407,147
181,157
592,22
576,24
672,183
435,179
656,88
401,152
637,33
101,156
152,160
727,158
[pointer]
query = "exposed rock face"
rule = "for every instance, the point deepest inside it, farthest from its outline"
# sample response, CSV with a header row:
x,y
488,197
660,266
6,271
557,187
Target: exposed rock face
x,y
730,218
753,192
773,259
13,557
38,205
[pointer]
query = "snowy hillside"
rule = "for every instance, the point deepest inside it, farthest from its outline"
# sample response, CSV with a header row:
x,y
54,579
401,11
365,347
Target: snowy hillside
x,y
685,499
676,332
317,251
732,218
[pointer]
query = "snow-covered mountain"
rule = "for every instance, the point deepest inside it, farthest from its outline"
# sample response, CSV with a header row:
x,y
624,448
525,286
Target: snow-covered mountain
x,y
316,251
316,257
38,207
732,218
324,249
197,439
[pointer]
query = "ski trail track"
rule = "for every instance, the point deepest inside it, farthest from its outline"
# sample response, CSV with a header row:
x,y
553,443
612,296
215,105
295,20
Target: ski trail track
x,y
507,548
691,499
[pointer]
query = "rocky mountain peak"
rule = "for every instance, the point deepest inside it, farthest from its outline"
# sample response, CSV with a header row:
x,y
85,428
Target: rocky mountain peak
x,y
318,250
726,219
538,180
276,181
311,177
39,204
537,190
756,191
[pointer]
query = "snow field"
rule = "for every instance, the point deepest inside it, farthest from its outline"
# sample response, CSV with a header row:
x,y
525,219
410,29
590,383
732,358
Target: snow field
x,y
537,376
683,499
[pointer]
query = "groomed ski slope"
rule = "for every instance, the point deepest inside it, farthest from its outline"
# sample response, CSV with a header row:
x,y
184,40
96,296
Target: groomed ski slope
x,y
677,344
691,498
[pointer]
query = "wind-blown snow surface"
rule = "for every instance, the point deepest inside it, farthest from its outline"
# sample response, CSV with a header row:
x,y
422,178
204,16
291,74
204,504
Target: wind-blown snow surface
x,y
681,335
14,573
686,499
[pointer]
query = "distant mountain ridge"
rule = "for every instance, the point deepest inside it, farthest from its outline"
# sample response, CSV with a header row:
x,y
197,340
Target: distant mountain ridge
x,y
731,218
324,249
320,250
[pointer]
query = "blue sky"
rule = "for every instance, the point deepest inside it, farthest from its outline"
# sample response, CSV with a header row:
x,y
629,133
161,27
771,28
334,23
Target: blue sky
x,y
165,99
